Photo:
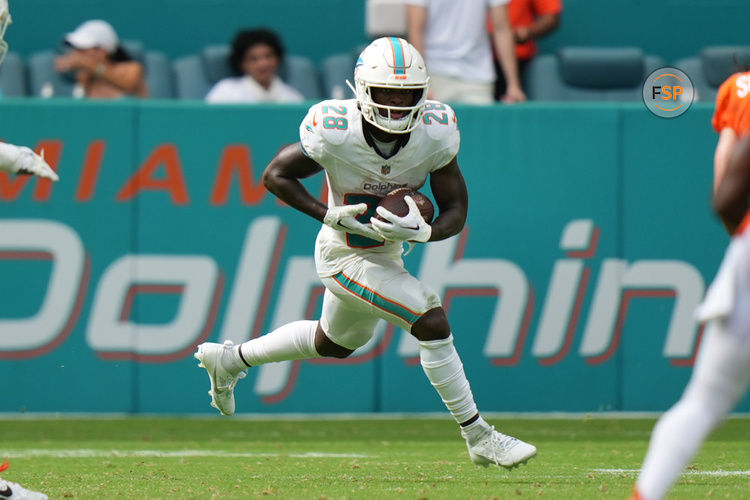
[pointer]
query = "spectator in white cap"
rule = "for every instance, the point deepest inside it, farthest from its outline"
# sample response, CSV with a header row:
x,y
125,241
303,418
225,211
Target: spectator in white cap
x,y
104,70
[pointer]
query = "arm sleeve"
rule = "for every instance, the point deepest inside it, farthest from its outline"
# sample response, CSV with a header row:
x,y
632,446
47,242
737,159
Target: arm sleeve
x,y
547,7
9,155
310,136
723,114
447,138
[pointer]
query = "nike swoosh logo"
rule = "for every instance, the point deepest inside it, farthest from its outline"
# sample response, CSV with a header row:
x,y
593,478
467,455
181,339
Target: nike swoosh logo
x,y
314,122
7,492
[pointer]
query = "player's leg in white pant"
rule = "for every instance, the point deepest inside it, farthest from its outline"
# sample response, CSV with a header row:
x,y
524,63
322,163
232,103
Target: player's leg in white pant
x,y
227,364
14,491
381,286
719,379
346,324
303,339
443,367
295,340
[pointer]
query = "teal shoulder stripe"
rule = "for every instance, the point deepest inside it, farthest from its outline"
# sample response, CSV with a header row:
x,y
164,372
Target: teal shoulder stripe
x,y
378,301
398,56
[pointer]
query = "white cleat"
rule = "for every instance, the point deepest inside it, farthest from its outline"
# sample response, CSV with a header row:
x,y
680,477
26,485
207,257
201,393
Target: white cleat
x,y
14,491
212,357
500,449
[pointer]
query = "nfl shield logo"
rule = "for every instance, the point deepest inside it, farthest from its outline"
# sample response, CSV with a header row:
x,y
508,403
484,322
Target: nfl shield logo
x,y
385,169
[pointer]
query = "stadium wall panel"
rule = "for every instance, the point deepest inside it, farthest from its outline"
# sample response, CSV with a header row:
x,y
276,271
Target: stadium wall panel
x,y
589,243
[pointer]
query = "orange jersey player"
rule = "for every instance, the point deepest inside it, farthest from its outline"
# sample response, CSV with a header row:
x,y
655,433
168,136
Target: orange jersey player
x,y
722,369
731,119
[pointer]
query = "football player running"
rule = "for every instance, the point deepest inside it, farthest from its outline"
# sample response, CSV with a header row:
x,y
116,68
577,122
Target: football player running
x,y
722,369
18,159
388,137
14,491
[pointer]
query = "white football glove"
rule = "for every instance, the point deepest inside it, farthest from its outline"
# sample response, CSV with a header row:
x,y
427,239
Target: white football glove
x,y
343,218
411,227
24,161
31,163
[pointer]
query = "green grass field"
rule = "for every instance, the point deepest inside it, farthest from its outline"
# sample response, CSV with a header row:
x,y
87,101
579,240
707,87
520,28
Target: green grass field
x,y
581,458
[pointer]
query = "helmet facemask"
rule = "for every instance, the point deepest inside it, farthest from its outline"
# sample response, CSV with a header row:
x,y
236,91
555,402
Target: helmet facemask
x,y
381,115
391,63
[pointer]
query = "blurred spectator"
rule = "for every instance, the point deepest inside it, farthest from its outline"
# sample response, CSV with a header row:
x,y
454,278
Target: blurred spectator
x,y
255,58
530,20
104,70
452,37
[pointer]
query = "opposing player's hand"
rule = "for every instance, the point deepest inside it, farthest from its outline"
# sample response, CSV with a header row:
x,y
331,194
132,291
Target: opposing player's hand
x,y
343,218
410,227
30,163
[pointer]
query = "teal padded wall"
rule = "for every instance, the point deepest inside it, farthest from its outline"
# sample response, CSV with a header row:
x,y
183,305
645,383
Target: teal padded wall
x,y
589,242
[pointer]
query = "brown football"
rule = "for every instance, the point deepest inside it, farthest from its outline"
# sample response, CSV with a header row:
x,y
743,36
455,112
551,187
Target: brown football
x,y
394,202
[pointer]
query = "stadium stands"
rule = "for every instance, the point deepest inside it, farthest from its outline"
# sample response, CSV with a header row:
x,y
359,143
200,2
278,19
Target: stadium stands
x,y
44,81
571,74
13,79
336,69
590,74
301,73
159,73
195,74
712,66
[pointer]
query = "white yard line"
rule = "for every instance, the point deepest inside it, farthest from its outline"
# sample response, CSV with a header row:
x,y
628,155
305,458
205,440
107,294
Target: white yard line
x,y
88,453
689,472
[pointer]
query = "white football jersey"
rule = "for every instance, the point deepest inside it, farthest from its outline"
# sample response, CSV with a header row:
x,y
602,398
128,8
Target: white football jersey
x,y
332,135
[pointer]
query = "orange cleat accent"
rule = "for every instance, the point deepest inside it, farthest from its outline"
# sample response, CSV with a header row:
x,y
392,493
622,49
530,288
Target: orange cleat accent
x,y
636,495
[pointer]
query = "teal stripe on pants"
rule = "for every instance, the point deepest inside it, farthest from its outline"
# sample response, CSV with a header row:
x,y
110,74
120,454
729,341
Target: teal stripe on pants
x,y
378,301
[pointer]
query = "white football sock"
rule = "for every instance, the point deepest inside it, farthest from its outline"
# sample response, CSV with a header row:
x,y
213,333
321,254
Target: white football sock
x,y
292,341
445,371
475,430
719,379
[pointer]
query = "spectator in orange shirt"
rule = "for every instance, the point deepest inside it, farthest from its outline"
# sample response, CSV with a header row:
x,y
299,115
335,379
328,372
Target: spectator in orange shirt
x,y
530,20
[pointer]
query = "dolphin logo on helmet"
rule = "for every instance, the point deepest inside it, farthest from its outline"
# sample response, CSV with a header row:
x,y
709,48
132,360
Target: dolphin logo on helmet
x,y
390,62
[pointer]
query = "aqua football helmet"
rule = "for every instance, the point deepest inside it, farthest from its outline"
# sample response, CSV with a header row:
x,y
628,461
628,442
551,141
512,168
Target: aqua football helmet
x,y
391,63
5,20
